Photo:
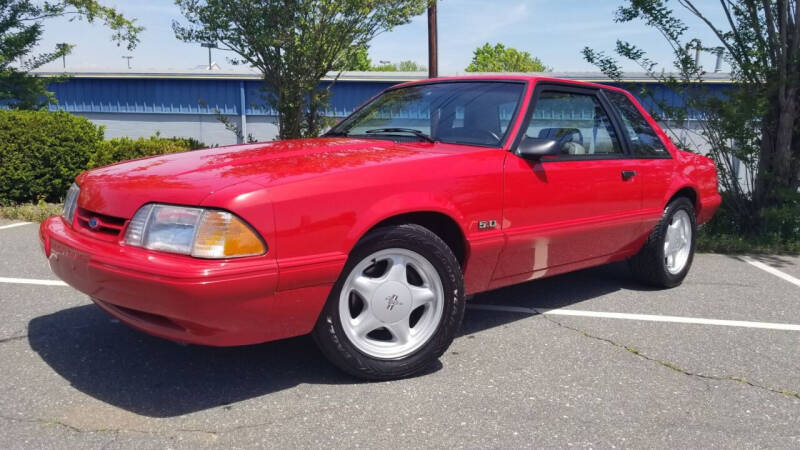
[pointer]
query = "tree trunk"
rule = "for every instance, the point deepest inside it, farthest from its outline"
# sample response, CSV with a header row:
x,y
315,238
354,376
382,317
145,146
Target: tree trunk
x,y
776,168
290,114
796,155
782,163
765,156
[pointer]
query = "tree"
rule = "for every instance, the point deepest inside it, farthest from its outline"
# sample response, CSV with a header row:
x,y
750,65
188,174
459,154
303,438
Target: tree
x,y
761,41
410,66
21,28
294,44
402,66
504,59
358,60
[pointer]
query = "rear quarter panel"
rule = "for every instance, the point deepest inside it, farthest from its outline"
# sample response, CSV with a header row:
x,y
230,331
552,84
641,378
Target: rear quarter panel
x,y
699,173
685,170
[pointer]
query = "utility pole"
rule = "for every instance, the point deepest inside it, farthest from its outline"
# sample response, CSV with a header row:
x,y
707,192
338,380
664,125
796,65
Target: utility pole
x,y
697,54
209,46
718,65
64,48
129,58
433,42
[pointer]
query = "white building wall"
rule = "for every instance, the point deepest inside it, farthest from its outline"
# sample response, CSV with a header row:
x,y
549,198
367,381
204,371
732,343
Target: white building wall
x,y
203,127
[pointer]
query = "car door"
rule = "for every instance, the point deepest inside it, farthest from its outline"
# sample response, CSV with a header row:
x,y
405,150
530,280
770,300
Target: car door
x,y
575,208
653,162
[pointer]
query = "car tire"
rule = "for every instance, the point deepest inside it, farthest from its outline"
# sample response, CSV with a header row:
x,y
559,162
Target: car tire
x,y
398,268
667,255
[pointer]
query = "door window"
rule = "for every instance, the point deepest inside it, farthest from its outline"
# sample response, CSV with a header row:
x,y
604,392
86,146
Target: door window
x,y
577,121
644,140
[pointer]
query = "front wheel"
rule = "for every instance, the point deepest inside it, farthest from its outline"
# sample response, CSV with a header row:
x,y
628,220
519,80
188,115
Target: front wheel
x,y
396,306
666,257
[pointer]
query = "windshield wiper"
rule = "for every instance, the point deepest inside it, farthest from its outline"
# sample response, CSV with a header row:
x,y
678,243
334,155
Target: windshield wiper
x,y
335,133
416,133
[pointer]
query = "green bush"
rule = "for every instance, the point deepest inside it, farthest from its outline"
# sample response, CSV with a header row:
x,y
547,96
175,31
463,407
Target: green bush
x,y
123,149
41,152
31,212
779,230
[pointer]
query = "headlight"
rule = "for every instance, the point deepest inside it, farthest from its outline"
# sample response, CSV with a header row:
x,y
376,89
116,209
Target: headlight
x,y
71,203
202,233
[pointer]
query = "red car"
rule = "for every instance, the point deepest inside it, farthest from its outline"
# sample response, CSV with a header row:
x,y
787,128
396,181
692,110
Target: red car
x,y
371,237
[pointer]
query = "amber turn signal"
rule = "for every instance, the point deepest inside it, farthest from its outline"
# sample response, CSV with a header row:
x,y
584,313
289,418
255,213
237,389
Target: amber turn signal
x,y
220,234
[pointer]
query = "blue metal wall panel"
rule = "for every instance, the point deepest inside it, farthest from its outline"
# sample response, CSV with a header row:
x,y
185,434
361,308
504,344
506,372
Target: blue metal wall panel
x,y
660,94
187,96
348,95
345,97
199,96
143,95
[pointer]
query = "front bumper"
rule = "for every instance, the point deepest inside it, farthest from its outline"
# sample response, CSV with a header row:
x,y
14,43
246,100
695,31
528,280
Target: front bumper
x,y
209,302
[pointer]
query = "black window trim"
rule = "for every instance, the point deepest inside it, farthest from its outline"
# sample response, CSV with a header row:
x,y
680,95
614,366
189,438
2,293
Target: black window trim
x,y
551,86
507,134
628,140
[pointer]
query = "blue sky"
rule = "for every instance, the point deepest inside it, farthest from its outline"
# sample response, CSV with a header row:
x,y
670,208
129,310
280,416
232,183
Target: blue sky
x,y
553,30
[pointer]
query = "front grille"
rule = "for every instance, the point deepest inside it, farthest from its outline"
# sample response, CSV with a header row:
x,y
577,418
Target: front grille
x,y
101,225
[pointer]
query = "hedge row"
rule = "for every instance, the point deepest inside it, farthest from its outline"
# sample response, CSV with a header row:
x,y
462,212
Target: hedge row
x,y
41,152
123,149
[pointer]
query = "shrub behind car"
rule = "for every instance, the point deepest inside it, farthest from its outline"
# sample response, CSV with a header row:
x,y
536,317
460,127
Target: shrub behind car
x,y
123,149
41,152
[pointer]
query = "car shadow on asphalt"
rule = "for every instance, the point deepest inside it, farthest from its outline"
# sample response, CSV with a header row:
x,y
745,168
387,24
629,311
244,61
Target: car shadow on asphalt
x,y
157,378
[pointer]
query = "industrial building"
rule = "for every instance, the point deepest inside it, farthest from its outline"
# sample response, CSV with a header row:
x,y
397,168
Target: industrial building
x,y
197,103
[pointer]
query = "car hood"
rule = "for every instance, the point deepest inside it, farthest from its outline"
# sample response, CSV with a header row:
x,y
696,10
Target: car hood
x,y
187,178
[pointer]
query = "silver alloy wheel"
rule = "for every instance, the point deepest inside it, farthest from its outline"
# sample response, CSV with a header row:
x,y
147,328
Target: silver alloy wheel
x,y
391,303
678,242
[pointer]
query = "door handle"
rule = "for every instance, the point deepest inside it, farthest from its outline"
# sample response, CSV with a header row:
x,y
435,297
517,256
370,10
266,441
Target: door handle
x,y
628,174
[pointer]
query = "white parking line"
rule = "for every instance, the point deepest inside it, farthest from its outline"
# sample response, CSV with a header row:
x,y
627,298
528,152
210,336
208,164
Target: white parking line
x,y
13,225
32,281
644,317
766,268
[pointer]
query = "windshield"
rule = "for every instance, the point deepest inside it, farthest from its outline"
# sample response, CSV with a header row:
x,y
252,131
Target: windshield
x,y
472,113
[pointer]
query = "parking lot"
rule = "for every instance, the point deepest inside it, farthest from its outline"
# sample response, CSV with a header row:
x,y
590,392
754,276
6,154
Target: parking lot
x,y
589,359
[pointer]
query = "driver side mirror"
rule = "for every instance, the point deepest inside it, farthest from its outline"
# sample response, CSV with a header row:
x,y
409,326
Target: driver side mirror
x,y
535,148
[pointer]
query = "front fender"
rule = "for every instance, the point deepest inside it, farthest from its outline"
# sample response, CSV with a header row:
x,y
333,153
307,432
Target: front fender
x,y
395,205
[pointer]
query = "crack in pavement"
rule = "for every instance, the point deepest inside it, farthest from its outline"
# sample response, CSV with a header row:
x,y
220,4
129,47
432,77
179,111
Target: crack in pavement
x,y
211,432
252,425
72,428
80,430
13,338
673,366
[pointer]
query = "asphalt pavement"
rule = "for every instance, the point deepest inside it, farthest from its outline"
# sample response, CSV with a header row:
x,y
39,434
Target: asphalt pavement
x,y
589,359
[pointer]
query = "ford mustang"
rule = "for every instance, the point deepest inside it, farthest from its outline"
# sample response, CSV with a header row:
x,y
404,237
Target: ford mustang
x,y
372,237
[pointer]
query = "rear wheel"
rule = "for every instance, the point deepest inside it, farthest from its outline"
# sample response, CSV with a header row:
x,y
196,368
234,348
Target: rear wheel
x,y
396,306
666,257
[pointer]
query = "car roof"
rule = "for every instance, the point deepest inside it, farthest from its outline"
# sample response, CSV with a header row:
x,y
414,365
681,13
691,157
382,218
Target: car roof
x,y
509,77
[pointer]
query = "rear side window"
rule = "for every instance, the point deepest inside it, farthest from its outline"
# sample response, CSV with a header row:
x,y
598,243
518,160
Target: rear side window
x,y
644,140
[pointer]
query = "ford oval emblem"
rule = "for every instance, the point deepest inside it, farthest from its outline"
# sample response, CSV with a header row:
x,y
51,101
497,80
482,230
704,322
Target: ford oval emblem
x,y
94,223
